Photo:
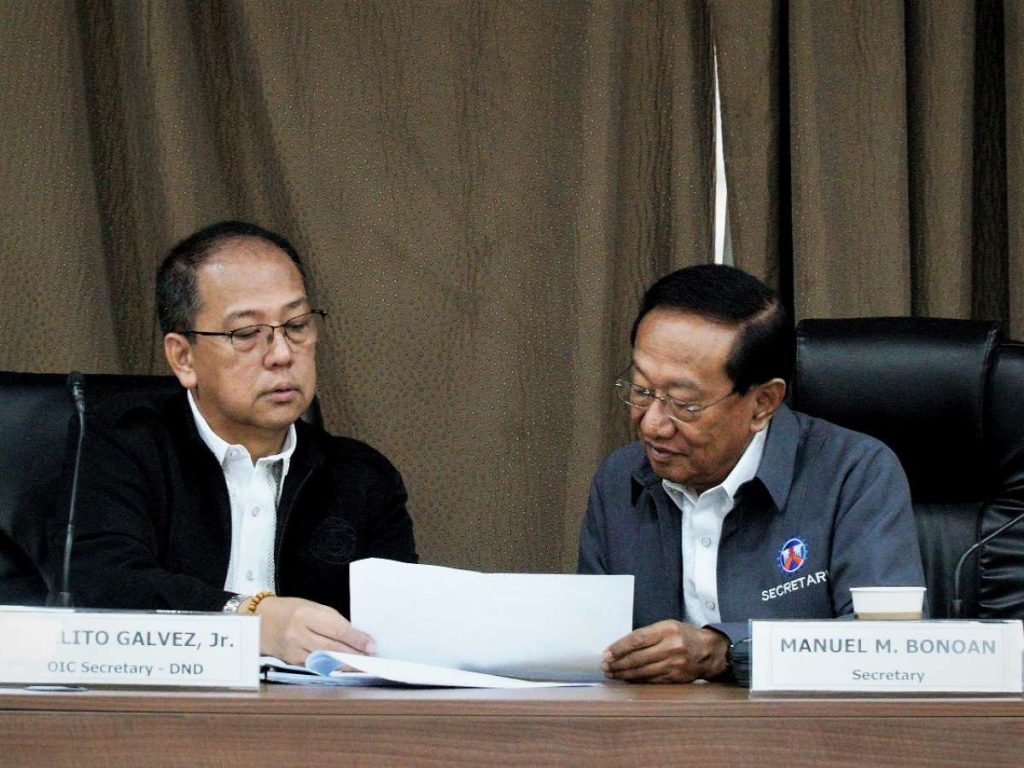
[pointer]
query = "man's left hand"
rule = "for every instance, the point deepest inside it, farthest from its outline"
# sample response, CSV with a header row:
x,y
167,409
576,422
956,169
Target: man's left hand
x,y
291,628
667,652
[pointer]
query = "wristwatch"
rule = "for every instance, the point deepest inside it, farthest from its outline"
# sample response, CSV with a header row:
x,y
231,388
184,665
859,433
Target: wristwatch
x,y
234,603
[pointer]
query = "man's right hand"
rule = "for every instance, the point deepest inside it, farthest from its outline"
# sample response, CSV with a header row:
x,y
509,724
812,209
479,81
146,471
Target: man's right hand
x,y
667,652
291,628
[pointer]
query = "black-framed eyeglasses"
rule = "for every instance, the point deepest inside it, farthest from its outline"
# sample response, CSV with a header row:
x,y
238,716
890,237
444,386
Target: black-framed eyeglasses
x,y
300,331
642,398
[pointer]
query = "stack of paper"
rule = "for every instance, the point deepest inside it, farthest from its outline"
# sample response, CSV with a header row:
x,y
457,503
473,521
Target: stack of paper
x,y
443,626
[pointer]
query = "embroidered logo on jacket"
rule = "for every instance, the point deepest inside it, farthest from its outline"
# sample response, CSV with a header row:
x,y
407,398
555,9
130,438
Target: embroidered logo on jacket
x,y
334,541
794,585
792,555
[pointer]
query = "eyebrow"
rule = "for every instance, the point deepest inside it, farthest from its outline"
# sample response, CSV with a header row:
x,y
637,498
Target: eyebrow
x,y
242,314
688,384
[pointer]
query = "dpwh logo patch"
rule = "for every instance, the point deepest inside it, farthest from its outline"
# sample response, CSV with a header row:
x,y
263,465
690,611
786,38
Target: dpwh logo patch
x,y
792,556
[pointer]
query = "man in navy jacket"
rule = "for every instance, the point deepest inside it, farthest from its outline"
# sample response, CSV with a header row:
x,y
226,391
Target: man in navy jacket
x,y
731,506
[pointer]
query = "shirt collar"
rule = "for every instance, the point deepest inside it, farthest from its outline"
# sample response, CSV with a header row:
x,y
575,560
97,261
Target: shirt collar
x,y
744,471
220,447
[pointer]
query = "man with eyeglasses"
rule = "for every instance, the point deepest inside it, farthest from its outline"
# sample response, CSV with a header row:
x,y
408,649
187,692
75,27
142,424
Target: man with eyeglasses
x,y
220,497
730,506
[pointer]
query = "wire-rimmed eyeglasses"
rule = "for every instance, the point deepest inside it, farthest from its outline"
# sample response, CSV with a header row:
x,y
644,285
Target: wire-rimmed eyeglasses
x,y
641,398
300,331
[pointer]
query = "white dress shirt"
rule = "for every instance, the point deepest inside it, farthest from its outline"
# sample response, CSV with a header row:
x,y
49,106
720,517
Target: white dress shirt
x,y
703,518
254,491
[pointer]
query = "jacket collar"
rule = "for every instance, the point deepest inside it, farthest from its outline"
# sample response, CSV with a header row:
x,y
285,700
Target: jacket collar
x,y
779,460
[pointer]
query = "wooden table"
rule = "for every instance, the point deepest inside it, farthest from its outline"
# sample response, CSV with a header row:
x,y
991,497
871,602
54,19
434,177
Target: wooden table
x,y
615,724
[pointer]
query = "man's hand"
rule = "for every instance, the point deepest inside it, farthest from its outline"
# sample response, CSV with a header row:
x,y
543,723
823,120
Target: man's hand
x,y
291,628
666,652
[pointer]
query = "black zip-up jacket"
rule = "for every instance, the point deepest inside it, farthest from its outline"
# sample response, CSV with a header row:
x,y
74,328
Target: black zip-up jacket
x,y
154,519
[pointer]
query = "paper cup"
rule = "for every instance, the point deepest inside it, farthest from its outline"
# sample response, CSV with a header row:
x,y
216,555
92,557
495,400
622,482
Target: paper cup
x,y
888,603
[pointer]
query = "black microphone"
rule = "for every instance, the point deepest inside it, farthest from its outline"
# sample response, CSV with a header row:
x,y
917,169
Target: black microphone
x,y
956,606
76,383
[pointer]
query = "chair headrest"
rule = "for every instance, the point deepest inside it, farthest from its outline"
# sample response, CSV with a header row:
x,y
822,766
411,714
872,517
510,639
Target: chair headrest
x,y
918,384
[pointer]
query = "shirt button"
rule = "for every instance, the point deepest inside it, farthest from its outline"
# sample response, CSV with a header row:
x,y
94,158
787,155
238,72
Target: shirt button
x,y
710,605
250,575
255,511
705,540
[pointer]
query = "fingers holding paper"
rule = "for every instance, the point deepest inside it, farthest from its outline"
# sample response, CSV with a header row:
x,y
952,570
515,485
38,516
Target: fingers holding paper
x,y
291,628
666,652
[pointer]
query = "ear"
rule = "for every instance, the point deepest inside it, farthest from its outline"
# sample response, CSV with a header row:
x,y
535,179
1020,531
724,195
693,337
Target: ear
x,y
767,399
178,351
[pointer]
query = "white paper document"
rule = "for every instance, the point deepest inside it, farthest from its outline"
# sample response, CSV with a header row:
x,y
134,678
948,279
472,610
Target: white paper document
x,y
316,672
548,627
377,671
331,668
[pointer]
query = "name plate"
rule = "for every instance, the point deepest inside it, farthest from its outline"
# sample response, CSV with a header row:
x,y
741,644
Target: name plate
x,y
48,646
887,656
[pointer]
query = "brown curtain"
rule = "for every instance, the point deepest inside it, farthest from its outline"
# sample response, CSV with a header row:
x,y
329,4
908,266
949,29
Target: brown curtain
x,y
873,153
481,189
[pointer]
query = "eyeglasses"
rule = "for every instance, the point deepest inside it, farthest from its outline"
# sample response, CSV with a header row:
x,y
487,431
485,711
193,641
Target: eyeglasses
x,y
641,398
300,331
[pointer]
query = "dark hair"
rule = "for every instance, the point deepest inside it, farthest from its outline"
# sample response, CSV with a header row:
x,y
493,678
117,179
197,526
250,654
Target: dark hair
x,y
177,292
764,349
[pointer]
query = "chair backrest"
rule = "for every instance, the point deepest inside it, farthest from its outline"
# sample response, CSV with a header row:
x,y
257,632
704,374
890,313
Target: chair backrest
x,y
34,419
948,397
35,412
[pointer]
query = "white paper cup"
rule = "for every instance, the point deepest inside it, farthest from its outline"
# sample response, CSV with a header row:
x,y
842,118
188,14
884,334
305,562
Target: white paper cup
x,y
888,603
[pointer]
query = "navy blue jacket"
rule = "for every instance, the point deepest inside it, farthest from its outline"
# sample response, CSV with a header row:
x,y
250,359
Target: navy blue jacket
x,y
837,499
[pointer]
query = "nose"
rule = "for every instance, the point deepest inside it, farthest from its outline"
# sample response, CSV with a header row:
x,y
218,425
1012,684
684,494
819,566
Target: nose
x,y
654,421
279,351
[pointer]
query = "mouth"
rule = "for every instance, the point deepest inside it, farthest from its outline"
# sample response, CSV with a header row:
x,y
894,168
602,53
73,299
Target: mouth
x,y
283,393
659,454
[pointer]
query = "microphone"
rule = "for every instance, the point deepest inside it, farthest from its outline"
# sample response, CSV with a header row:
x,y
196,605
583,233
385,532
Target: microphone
x,y
76,383
956,606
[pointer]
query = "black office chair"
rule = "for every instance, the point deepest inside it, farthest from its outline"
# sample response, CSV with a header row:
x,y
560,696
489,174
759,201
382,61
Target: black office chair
x,y
948,397
34,417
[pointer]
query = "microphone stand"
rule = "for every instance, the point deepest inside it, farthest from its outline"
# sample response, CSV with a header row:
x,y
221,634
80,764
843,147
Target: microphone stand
x,y
76,381
956,607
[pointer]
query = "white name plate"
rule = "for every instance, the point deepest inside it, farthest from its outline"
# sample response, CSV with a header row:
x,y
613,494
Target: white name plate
x,y
52,646
887,656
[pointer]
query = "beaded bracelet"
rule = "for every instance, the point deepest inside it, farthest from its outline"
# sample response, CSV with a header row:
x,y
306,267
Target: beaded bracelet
x,y
256,599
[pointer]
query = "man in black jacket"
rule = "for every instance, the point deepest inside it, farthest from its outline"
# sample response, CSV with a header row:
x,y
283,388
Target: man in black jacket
x,y
219,497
